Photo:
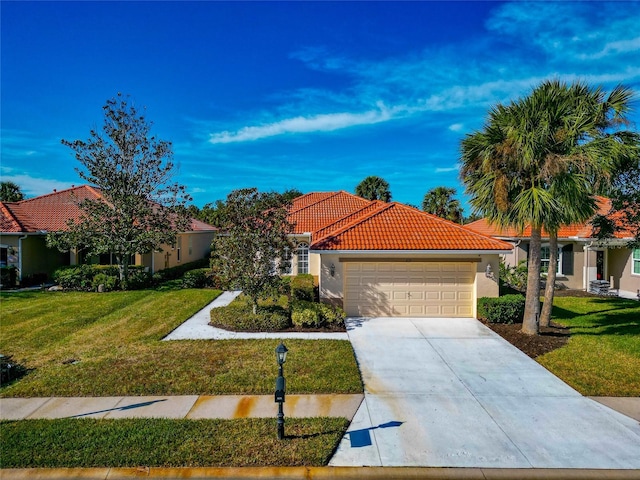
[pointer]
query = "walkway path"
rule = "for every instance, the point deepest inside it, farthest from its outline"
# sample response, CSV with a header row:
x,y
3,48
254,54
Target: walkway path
x,y
198,328
184,406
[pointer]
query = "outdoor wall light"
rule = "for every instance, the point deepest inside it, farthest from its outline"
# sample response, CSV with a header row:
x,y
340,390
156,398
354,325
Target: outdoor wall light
x,y
489,271
332,270
281,357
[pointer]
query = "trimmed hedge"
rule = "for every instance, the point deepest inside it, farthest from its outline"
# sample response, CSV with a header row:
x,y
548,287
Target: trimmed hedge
x,y
302,287
8,276
87,277
505,309
238,316
315,315
177,272
198,278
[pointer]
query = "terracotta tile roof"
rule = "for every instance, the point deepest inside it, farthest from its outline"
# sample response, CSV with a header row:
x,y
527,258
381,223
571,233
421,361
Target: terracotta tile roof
x,y
50,213
313,211
578,230
8,222
394,226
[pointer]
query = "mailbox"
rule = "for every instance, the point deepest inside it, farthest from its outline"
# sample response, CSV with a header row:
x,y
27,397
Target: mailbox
x,y
280,388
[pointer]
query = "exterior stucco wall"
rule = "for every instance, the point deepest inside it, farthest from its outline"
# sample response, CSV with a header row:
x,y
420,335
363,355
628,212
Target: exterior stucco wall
x,y
199,247
620,272
38,259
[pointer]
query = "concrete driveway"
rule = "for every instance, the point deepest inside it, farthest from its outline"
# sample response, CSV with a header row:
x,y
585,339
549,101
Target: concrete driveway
x,y
451,393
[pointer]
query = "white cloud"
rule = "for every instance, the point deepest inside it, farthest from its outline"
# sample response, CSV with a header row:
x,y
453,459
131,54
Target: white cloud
x,y
318,123
33,186
455,168
456,127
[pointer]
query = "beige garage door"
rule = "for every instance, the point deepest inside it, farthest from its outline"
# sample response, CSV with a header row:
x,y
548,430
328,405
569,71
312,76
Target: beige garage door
x,y
409,289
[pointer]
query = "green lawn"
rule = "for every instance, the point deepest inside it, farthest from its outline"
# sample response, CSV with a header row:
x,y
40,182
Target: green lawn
x,y
168,443
603,354
114,339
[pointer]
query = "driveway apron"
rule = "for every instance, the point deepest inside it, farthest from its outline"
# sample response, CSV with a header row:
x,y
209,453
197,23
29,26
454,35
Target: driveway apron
x,y
451,393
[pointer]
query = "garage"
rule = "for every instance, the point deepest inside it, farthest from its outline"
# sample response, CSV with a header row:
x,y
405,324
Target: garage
x,y
409,289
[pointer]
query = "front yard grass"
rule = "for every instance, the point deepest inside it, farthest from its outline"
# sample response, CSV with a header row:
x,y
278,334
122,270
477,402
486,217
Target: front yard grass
x,y
167,443
108,344
602,357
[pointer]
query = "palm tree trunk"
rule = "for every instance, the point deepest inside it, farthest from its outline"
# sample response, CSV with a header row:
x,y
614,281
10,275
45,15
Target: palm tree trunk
x,y
532,302
549,291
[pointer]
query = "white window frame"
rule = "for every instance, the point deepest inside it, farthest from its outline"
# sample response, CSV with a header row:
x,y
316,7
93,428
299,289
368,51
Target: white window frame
x,y
635,261
178,249
545,260
286,265
302,254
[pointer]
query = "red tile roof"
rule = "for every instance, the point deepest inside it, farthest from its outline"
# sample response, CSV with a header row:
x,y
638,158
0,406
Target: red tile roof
x,y
578,230
342,221
313,211
50,213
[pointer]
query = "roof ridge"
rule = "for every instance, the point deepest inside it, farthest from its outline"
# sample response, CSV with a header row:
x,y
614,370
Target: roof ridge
x,y
356,214
331,195
58,192
381,208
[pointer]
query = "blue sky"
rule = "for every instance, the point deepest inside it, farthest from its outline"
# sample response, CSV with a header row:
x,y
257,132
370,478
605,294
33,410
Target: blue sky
x,y
278,95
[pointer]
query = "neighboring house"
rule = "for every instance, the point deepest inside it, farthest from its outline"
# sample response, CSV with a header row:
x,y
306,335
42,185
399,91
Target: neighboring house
x,y
389,259
582,258
25,224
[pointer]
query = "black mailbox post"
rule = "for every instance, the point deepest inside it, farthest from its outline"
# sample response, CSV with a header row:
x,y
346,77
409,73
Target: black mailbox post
x,y
281,356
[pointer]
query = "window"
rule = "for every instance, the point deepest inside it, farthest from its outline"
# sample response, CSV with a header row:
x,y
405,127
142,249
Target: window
x,y
190,245
303,258
545,257
4,256
178,248
635,262
285,265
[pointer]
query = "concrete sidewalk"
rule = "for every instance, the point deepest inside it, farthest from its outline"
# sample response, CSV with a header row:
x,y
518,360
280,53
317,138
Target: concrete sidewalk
x,y
198,328
186,406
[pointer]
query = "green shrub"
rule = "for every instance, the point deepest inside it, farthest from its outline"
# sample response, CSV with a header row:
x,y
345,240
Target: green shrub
x,y
178,271
284,288
332,314
110,282
306,314
314,315
198,278
506,309
8,276
80,277
302,287
238,316
139,277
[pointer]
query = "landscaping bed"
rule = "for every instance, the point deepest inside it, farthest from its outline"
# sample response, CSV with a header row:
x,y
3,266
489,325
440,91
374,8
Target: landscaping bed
x,y
550,338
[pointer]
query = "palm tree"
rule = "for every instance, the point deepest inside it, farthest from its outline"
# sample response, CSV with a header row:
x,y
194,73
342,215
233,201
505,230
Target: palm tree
x,y
10,192
535,161
374,188
439,201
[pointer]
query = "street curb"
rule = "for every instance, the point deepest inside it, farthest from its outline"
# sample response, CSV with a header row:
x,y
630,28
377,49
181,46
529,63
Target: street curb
x,y
239,473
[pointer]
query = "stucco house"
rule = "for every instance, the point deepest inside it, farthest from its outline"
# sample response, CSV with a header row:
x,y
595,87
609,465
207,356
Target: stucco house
x,y
25,224
389,259
583,260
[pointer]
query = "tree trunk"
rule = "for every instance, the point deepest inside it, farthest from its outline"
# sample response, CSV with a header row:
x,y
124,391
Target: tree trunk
x,y
255,305
549,291
123,268
532,304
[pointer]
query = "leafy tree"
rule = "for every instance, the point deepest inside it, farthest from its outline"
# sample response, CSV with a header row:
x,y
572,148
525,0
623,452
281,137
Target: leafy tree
x,y
625,199
538,160
10,192
374,188
439,201
254,239
140,209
